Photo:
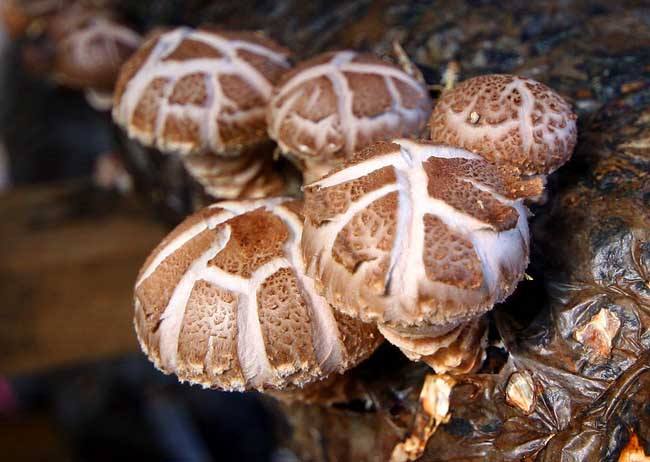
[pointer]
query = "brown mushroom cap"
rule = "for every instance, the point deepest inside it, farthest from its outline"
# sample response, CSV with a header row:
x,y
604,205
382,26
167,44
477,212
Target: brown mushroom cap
x,y
339,102
249,176
417,235
507,119
224,302
90,56
190,91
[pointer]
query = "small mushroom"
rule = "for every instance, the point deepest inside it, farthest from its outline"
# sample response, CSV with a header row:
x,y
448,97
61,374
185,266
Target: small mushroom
x,y
224,301
89,55
420,238
18,16
337,103
203,92
507,119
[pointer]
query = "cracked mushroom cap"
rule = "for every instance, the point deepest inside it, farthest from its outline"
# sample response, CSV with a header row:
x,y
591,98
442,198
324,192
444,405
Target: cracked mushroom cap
x,y
507,119
337,103
224,301
417,235
90,55
196,90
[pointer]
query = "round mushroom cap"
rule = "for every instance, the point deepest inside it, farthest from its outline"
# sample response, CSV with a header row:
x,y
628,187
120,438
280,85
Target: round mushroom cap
x,y
507,119
250,176
224,301
195,90
90,56
337,103
417,235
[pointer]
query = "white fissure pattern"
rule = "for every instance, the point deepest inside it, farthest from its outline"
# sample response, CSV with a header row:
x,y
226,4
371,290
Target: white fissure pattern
x,y
252,354
207,116
537,122
406,272
344,122
81,42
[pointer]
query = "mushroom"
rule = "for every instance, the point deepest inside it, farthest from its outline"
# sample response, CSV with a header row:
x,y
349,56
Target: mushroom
x,y
419,238
224,302
507,119
90,53
19,15
202,92
336,103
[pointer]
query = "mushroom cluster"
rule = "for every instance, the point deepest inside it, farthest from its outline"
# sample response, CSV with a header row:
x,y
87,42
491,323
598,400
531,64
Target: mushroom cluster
x,y
224,301
421,239
404,239
202,94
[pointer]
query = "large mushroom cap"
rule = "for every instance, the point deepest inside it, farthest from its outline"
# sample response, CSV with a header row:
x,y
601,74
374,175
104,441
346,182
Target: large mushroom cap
x,y
190,91
507,119
224,301
339,102
91,54
416,235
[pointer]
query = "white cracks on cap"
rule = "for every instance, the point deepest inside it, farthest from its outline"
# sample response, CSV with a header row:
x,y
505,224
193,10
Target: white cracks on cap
x,y
501,253
171,320
254,362
482,115
217,107
343,123
81,42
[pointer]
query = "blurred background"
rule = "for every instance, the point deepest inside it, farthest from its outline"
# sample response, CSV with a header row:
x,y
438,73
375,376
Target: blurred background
x,y
73,233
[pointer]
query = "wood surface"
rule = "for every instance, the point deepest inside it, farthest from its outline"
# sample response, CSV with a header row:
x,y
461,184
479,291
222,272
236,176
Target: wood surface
x,y
70,255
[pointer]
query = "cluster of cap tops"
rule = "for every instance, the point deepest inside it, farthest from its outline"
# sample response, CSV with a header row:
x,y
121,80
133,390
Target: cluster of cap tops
x,y
411,241
80,45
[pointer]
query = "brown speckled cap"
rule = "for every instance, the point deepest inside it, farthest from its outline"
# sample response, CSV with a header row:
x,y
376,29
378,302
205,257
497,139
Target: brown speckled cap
x,y
197,90
507,119
339,102
224,302
91,54
417,235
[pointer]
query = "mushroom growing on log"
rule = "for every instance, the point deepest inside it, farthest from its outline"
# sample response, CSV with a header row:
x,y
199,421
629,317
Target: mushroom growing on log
x,y
224,301
553,397
507,119
421,239
337,103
